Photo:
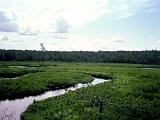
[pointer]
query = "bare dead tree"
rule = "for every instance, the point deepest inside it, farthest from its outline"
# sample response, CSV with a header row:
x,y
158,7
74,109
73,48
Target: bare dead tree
x,y
43,49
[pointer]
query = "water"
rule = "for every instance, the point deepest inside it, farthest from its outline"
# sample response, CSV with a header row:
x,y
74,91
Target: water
x,y
13,108
150,68
19,66
2,78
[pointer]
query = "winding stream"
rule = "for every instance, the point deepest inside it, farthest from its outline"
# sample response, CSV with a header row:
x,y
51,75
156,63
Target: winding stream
x,y
13,108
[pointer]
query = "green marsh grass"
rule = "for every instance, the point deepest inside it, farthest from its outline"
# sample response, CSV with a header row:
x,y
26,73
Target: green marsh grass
x,y
133,93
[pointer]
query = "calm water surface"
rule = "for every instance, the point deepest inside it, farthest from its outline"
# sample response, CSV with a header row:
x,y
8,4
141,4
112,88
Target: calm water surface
x,y
150,68
13,108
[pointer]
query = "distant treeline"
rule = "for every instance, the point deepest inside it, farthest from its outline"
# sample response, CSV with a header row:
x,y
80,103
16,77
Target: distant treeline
x,y
138,57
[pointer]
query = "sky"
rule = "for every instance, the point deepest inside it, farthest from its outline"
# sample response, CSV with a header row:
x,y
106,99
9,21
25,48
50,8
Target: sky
x,y
80,25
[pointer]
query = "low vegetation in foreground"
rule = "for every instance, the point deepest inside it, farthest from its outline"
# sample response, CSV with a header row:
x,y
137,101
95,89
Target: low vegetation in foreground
x,y
38,81
133,93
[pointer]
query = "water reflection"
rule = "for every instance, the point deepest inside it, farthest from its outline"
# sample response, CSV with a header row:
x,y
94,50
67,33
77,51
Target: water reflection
x,y
150,68
2,78
18,66
14,108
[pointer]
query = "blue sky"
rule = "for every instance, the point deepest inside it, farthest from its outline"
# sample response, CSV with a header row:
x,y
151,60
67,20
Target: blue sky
x,y
80,25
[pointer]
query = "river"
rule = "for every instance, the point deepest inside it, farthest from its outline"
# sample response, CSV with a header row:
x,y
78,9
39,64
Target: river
x,y
12,109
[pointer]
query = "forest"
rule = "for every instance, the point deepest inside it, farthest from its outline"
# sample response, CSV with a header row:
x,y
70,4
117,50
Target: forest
x,y
137,57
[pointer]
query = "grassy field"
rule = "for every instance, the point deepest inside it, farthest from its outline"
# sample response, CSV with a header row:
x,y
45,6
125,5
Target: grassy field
x,y
133,93
34,79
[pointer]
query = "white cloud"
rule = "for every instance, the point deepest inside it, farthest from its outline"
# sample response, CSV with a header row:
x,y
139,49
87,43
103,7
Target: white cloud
x,y
40,15
60,19
78,43
117,39
60,36
3,17
10,37
7,23
4,38
16,41
125,8
155,45
28,32
61,26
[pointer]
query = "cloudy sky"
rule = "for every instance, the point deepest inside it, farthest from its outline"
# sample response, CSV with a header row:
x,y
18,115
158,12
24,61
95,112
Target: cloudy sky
x,y
80,24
